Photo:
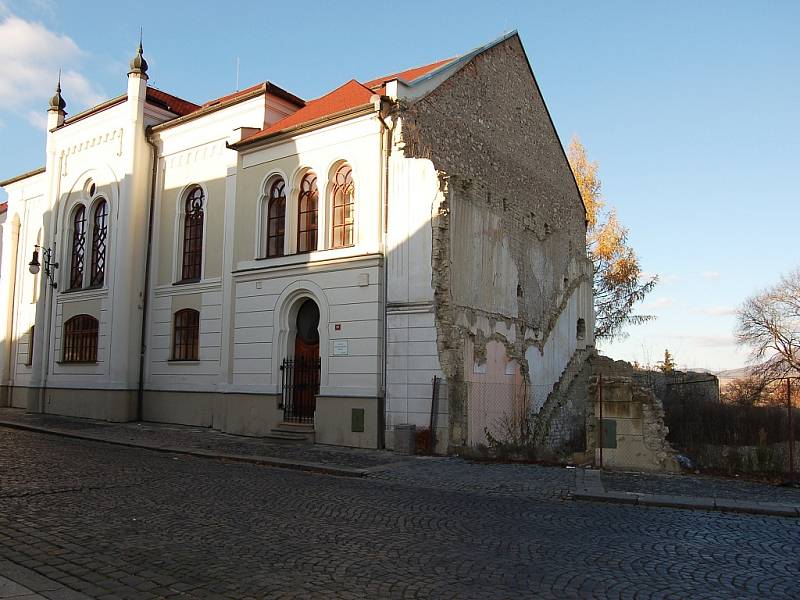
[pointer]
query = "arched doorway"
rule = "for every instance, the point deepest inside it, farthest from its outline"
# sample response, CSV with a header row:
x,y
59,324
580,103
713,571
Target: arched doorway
x,y
301,372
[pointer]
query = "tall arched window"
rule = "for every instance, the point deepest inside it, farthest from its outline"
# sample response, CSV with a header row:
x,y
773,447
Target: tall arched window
x,y
99,241
193,235
343,194
307,213
80,339
186,335
78,248
276,218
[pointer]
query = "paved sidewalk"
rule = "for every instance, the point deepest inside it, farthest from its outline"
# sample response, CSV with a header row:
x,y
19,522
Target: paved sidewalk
x,y
206,442
20,583
686,492
444,473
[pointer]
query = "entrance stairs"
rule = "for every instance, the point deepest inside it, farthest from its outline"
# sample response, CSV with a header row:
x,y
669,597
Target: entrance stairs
x,y
293,433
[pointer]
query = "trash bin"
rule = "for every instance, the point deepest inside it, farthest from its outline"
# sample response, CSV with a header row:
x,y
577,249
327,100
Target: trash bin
x,y
405,441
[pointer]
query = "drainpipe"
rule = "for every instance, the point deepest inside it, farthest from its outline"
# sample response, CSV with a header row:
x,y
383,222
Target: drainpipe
x,y
146,292
386,151
50,292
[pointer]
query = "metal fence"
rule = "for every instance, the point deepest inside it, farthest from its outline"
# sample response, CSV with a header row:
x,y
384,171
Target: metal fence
x,y
733,438
518,415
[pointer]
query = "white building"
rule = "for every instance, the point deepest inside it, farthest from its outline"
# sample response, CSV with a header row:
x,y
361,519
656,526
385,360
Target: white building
x,y
260,262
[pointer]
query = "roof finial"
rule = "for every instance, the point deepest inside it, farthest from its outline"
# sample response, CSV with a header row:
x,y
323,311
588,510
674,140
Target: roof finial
x,y
57,101
139,64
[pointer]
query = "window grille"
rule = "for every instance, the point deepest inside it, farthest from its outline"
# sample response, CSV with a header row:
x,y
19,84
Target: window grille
x,y
99,240
343,207
80,339
78,248
307,214
186,335
193,236
276,218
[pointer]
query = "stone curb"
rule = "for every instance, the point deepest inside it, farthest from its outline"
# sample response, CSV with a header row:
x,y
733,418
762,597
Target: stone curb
x,y
691,503
271,461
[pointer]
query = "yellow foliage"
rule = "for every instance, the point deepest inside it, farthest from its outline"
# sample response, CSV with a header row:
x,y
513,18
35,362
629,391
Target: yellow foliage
x,y
585,173
616,267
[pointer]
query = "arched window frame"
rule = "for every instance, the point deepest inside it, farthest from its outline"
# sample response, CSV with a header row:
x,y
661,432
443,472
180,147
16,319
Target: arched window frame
x,y
305,190
77,247
186,335
265,217
79,339
341,178
99,232
180,233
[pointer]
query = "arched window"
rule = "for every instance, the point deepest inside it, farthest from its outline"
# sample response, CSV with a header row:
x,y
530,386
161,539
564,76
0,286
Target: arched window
x,y
99,241
186,335
193,235
78,248
343,196
80,339
276,218
580,330
307,213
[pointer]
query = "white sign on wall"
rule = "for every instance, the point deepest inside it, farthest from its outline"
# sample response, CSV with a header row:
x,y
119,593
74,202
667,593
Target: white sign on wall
x,y
340,348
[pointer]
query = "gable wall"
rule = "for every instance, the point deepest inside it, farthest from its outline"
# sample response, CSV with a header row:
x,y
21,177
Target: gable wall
x,y
509,239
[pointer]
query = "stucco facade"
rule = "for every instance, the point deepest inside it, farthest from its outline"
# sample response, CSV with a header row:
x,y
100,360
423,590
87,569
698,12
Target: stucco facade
x,y
464,247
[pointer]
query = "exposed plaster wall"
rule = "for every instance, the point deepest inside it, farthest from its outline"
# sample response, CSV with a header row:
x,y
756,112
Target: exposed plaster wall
x,y
508,233
638,415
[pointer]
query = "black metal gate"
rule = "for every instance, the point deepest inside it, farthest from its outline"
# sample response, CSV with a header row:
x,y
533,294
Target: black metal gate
x,y
300,388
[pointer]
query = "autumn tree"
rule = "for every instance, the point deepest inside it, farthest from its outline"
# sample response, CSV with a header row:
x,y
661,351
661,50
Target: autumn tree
x,y
769,324
668,364
618,284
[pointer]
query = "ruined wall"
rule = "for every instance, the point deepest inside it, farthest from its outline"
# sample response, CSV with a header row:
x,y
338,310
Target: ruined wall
x,y
509,235
679,386
637,418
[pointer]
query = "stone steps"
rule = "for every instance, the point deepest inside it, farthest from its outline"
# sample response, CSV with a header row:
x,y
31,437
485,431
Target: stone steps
x,y
292,432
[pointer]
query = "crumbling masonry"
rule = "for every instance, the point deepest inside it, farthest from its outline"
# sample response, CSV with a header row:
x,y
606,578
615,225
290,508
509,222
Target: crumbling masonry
x,y
509,260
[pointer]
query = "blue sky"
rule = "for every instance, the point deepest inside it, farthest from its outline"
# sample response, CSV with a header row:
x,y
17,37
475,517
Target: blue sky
x,y
690,108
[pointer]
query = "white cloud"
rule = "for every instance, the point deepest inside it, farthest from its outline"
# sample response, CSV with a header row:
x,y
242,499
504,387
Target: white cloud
x,y
663,278
30,57
45,7
662,302
712,275
714,311
37,119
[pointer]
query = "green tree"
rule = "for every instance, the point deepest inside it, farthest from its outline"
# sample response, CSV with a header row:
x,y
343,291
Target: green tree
x,y
618,284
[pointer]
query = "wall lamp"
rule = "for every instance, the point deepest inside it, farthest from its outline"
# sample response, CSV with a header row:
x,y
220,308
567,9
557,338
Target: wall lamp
x,y
49,266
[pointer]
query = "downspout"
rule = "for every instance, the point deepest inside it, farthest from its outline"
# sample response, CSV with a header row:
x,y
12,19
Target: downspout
x,y
146,293
386,151
50,292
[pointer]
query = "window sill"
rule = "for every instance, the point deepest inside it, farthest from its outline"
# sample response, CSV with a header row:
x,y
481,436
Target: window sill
x,y
86,293
315,255
187,281
183,361
77,362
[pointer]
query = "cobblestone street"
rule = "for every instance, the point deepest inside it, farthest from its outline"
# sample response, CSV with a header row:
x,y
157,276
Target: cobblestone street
x,y
115,522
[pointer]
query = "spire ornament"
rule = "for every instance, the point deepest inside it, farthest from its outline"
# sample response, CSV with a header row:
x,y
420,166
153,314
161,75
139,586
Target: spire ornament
x,y
57,101
138,63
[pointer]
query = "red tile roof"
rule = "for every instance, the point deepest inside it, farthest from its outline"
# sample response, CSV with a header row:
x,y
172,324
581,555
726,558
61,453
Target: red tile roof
x,y
350,95
173,104
408,74
3,207
233,96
